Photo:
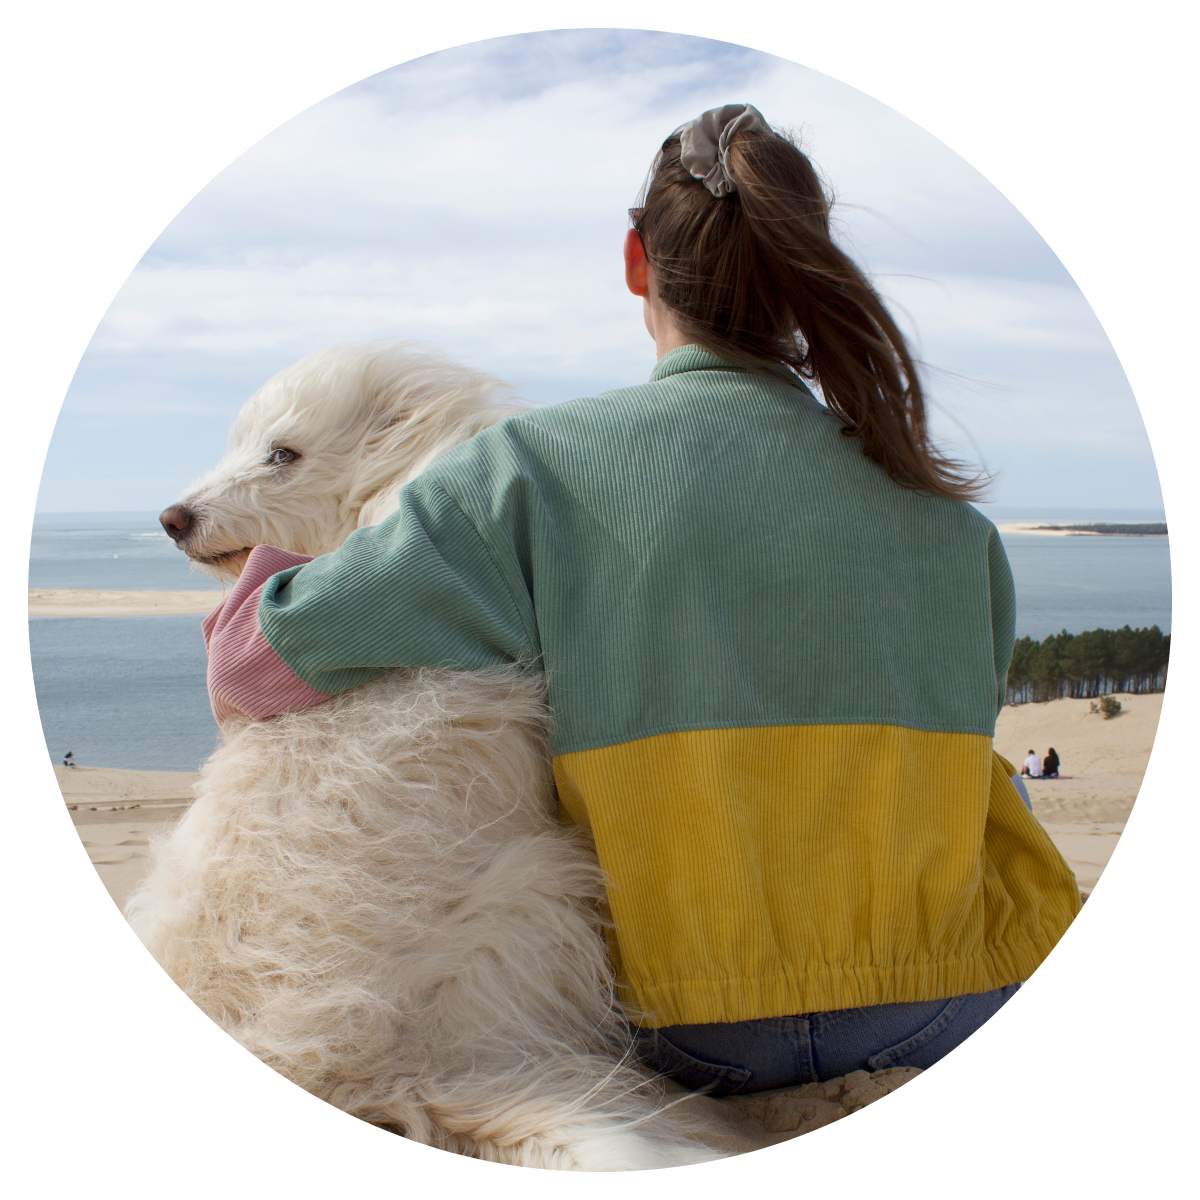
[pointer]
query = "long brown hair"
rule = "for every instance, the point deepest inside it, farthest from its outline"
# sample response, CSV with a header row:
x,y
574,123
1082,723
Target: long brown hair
x,y
755,278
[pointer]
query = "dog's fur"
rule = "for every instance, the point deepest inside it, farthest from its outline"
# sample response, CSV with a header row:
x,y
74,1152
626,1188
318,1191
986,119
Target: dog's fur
x,y
363,420
374,894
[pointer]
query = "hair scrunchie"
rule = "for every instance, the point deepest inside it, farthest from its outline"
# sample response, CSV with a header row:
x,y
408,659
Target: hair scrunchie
x,y
704,144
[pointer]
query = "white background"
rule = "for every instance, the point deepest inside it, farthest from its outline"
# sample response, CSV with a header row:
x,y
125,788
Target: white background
x,y
116,114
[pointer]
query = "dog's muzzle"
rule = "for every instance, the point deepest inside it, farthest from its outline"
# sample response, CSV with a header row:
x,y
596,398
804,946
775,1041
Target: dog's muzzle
x,y
178,521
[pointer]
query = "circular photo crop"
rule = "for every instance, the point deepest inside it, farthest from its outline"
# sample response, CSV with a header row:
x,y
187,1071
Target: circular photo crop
x,y
658,581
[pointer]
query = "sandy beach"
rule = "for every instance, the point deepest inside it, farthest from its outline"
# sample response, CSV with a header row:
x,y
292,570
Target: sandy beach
x,y
1103,762
115,812
88,602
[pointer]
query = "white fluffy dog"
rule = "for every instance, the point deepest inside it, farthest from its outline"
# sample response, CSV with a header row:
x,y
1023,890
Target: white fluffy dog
x,y
374,894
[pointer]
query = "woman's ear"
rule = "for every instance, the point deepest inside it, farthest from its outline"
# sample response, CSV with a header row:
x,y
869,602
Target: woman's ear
x,y
636,278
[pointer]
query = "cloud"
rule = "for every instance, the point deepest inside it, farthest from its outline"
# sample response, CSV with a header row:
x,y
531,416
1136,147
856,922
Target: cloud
x,y
475,199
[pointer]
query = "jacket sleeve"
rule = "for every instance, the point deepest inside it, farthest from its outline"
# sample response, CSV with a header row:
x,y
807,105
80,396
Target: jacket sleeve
x,y
244,674
424,588
1004,613
421,589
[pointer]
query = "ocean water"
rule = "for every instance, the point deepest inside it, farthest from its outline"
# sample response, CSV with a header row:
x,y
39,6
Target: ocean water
x,y
119,551
130,691
1078,583
123,691
119,691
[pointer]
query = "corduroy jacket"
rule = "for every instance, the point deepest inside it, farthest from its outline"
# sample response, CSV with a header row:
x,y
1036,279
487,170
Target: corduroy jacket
x,y
774,676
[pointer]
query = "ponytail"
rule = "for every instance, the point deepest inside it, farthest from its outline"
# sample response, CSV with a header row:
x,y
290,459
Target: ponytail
x,y
755,278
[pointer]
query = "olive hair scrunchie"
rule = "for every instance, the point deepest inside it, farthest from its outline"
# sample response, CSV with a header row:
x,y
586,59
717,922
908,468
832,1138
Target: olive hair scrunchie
x,y
705,141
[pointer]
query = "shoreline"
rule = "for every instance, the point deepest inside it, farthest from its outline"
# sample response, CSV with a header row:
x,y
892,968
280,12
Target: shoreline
x,y
95,602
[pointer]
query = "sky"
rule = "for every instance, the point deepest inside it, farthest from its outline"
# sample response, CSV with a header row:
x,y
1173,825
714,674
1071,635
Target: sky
x,y
475,200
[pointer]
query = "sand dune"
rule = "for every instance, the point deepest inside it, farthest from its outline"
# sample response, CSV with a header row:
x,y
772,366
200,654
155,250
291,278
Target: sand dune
x,y
115,813
1104,760
764,1119
104,788
89,602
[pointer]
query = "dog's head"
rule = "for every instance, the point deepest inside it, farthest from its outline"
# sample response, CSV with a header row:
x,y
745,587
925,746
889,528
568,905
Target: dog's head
x,y
324,447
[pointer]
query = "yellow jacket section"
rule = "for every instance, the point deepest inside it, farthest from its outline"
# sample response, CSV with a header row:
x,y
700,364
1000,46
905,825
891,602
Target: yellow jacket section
x,y
772,871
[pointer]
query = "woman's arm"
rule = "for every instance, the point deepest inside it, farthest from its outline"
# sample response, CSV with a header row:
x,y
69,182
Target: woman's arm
x,y
1004,613
422,589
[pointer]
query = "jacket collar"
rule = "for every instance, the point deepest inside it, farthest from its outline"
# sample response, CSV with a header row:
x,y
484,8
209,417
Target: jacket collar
x,y
695,358
687,358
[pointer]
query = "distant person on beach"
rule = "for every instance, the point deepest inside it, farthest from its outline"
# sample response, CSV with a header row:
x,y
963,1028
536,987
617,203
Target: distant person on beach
x,y
1032,766
784,648
69,759
1050,765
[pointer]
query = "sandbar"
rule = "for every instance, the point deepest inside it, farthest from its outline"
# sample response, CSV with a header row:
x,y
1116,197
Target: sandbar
x,y
92,602
1041,531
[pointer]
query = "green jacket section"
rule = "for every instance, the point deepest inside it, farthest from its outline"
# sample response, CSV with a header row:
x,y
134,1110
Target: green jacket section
x,y
704,551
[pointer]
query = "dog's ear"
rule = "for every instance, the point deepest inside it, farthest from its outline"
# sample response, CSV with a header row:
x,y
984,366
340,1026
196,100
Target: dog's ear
x,y
382,430
383,419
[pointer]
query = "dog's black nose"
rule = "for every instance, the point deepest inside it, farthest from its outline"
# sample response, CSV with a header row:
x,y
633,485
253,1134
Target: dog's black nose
x,y
176,520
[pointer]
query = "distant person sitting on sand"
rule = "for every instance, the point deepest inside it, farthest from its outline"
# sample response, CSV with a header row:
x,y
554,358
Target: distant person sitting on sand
x,y
1050,765
1032,766
68,759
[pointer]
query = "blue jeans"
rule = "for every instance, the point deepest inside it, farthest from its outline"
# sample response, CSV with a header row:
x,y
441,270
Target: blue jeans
x,y
751,1056
1022,791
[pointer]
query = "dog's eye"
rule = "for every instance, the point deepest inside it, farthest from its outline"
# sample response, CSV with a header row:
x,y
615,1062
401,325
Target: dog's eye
x,y
281,456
